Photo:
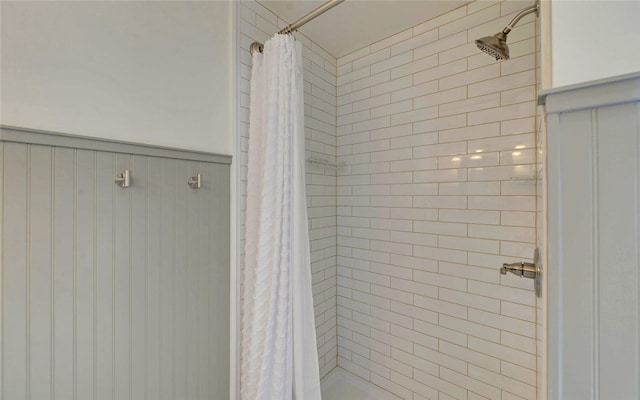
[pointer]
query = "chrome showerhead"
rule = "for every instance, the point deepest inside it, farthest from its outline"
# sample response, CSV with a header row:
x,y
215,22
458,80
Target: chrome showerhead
x,y
495,46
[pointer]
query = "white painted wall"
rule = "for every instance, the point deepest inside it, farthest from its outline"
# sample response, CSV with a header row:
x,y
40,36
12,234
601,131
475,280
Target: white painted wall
x,y
593,40
149,72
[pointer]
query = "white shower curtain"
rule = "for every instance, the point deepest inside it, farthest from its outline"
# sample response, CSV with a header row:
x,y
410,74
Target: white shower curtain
x,y
279,355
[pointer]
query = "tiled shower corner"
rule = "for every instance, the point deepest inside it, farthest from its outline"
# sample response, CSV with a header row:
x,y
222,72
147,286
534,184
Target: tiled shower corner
x,y
438,189
421,181
256,23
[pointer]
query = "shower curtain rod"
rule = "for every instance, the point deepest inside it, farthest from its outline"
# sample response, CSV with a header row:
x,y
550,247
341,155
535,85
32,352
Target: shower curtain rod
x,y
256,46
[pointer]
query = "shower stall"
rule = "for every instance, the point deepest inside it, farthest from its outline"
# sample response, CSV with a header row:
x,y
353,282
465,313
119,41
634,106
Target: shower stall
x,y
423,163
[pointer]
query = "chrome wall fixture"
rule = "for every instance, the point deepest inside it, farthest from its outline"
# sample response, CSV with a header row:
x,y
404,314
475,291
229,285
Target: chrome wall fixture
x,y
195,182
496,45
124,179
527,270
258,47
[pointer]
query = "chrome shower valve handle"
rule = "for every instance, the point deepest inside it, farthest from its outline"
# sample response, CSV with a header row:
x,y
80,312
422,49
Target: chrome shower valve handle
x,y
523,269
527,270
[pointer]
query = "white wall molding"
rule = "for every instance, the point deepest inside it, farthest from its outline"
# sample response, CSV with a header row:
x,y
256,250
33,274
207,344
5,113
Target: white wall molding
x,y
32,136
598,93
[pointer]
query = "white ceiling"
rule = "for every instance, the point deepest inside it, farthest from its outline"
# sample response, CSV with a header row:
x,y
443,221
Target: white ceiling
x,y
357,23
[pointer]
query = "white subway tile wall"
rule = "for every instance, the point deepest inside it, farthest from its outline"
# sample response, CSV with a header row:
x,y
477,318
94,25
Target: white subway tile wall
x,y
256,23
434,146
436,188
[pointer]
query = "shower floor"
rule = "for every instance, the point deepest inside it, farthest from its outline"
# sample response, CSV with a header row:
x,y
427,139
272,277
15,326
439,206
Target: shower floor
x,y
342,385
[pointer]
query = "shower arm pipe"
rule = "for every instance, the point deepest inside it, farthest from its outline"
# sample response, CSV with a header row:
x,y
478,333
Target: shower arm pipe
x,y
255,46
532,9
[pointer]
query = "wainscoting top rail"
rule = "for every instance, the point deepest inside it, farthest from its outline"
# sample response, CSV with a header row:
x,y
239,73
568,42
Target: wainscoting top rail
x,y
31,136
599,93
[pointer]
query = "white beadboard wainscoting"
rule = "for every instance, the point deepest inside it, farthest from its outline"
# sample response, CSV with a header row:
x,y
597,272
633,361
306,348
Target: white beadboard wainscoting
x,y
111,292
594,239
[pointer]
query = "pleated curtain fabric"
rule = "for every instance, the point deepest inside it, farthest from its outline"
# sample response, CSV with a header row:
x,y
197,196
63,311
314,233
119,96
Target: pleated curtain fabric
x,y
279,359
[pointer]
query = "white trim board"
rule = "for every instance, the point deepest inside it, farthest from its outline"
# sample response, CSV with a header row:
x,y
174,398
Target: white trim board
x,y
32,136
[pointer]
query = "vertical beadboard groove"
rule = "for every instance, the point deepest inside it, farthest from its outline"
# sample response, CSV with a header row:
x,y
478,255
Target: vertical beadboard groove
x,y
75,276
147,323
146,293
85,230
52,387
154,226
181,284
211,250
122,283
28,277
155,175
177,283
138,277
63,263
130,308
113,288
86,292
167,361
95,276
208,173
204,247
638,248
2,201
40,186
595,245
104,266
113,285
191,278
157,179
175,280
14,271
130,257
